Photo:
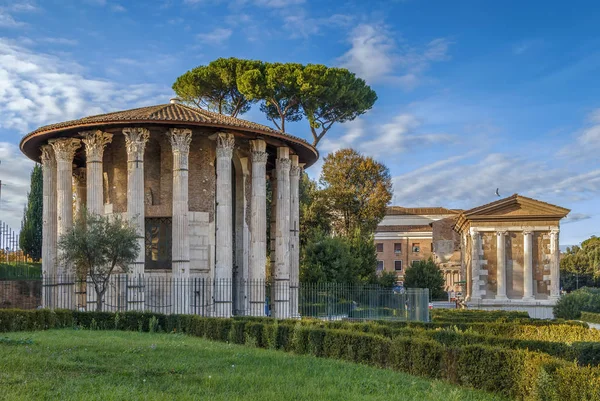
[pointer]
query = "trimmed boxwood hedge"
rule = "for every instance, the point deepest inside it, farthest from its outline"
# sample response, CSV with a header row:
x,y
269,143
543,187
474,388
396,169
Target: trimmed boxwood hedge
x,y
590,317
516,373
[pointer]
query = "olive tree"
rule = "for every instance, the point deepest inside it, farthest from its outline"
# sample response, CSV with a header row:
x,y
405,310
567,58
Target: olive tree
x,y
97,246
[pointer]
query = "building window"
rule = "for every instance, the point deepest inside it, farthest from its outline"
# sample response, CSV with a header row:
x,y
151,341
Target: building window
x,y
158,242
416,247
398,265
397,247
380,247
413,262
379,266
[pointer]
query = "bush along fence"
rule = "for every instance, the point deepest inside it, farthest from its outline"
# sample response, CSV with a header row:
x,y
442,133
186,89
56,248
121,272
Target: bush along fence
x,y
198,296
516,373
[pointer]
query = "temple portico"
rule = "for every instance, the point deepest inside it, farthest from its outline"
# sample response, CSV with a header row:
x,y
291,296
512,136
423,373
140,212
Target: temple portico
x,y
194,183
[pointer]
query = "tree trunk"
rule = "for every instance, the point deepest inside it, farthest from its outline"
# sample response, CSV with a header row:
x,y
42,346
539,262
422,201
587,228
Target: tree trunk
x,y
99,299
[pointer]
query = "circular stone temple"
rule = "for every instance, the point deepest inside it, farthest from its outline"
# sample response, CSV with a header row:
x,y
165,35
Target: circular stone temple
x,y
194,183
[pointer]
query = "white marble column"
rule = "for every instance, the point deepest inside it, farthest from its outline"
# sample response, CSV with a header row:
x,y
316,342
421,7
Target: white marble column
x,y
554,264
258,228
49,228
180,143
475,245
79,175
527,265
95,142
64,151
295,171
224,227
281,295
135,143
501,265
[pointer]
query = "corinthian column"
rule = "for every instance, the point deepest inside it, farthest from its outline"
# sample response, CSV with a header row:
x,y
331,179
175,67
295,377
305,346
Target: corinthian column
x,y
180,143
501,265
64,151
135,142
49,228
295,171
282,236
224,227
527,266
258,228
475,241
554,264
95,142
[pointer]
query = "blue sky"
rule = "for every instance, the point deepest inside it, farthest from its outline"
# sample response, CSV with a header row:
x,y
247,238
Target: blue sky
x,y
473,95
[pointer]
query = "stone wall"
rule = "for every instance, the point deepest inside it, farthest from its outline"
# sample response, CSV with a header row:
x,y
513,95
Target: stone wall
x,y
22,294
541,264
489,265
514,265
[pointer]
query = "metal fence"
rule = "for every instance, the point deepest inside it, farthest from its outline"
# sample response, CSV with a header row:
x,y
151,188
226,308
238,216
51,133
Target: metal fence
x,y
206,297
10,251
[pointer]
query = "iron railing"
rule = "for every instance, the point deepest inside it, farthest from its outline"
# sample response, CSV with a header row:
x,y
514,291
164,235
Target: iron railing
x,y
206,297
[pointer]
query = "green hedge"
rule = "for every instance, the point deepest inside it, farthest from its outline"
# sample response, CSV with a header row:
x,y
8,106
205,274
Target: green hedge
x,y
590,317
516,373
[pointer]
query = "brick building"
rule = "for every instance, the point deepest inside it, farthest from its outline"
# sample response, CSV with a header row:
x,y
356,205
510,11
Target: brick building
x,y
405,235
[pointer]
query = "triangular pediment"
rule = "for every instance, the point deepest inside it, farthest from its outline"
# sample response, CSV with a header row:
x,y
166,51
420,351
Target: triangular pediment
x,y
516,206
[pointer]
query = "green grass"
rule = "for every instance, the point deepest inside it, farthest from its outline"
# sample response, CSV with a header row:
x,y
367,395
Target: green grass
x,y
111,365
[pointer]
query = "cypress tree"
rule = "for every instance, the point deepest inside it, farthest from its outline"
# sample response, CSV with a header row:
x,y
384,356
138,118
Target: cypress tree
x,y
30,239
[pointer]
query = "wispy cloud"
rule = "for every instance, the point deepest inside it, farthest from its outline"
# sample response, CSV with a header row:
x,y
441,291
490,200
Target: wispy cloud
x,y
376,56
400,134
40,88
60,41
524,46
215,37
575,217
118,8
586,144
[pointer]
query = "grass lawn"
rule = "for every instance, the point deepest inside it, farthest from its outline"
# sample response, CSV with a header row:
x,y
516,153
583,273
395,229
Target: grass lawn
x,y
111,365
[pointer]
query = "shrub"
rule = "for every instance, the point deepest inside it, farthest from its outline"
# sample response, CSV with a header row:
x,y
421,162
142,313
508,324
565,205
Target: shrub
x,y
590,317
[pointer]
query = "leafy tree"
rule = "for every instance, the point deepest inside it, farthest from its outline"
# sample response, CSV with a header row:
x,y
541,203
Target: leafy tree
x,y
357,190
330,95
30,239
328,259
314,215
584,260
387,279
96,246
425,274
277,85
214,86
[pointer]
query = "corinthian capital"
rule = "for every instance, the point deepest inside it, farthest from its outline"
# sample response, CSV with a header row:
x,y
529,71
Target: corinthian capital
x,y
48,159
259,153
180,139
135,141
225,144
64,148
95,142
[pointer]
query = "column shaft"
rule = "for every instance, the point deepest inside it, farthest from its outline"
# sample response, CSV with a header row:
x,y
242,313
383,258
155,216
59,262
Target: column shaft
x,y
180,143
282,236
295,171
135,141
64,150
527,266
224,227
501,265
258,228
49,228
80,192
475,243
554,265
95,142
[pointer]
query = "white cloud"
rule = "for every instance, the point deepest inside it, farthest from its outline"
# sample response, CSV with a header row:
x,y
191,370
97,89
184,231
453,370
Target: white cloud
x,y
118,8
390,138
277,3
466,181
299,24
216,37
587,141
60,41
575,217
41,88
7,20
376,56
15,170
